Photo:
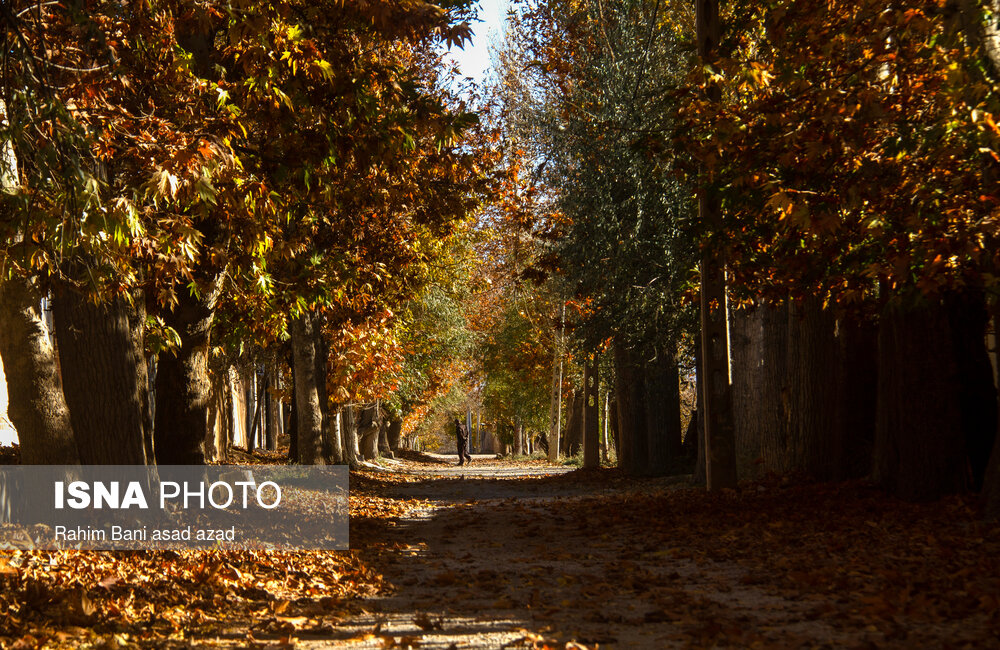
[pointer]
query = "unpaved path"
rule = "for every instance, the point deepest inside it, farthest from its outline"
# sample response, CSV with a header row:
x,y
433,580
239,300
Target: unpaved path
x,y
500,555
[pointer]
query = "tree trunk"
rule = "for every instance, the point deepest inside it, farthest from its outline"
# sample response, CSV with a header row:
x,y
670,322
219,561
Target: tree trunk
x,y
920,450
812,361
308,409
36,405
555,407
772,387
720,445
591,413
183,389
293,420
395,429
968,319
273,408
700,462
101,356
745,343
629,397
518,439
349,431
856,392
573,439
663,414
368,432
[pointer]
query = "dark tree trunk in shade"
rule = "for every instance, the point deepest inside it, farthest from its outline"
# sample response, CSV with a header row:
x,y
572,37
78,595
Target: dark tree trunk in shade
x,y
183,389
273,410
368,426
383,439
812,362
394,432
968,319
663,413
615,435
920,449
745,345
36,405
101,355
591,432
699,465
308,409
574,427
856,388
630,396
293,422
773,390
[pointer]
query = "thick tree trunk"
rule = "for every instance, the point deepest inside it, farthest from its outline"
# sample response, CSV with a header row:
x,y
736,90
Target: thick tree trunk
x,y
856,393
773,389
383,439
368,432
920,450
293,420
349,431
573,440
308,408
36,405
591,413
812,361
663,414
629,397
101,356
745,344
395,429
720,444
968,319
183,389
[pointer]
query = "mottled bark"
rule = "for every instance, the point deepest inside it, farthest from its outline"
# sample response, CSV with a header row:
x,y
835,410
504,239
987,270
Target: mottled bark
x,y
183,389
349,433
101,355
36,405
773,387
308,408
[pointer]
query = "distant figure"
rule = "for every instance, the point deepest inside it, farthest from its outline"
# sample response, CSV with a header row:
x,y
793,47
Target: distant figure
x,y
462,437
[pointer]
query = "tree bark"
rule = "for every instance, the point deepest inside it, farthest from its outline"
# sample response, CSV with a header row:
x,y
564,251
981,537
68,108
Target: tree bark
x,y
745,344
101,356
663,413
349,431
395,429
591,412
700,462
856,392
368,432
36,405
773,390
920,451
812,361
183,389
968,319
273,408
720,445
630,397
308,408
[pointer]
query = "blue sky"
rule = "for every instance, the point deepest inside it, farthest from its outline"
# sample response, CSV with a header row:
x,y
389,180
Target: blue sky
x,y
474,60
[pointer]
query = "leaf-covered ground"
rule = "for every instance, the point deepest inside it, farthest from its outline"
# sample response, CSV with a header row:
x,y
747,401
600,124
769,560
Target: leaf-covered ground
x,y
586,558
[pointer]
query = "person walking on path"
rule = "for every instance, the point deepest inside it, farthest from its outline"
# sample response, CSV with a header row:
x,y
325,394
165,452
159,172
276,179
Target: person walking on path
x,y
462,438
